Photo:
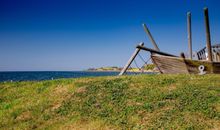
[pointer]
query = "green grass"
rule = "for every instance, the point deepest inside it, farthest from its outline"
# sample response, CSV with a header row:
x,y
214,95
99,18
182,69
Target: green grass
x,y
127,102
149,67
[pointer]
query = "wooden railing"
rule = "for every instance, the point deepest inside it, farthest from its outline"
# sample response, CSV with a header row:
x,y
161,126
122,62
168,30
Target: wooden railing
x,y
215,53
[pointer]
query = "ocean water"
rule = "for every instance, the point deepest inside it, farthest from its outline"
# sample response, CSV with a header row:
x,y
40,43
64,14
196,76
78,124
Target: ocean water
x,y
48,75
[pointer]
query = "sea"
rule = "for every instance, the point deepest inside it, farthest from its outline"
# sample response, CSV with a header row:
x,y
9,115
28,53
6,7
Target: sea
x,y
51,75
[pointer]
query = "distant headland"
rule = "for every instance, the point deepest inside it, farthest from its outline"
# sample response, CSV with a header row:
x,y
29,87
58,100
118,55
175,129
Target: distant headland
x,y
145,68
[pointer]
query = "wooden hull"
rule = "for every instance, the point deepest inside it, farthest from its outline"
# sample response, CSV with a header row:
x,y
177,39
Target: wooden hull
x,y
177,65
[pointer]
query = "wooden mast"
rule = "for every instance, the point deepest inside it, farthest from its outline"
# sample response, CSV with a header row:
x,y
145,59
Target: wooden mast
x,y
151,37
189,34
131,59
208,38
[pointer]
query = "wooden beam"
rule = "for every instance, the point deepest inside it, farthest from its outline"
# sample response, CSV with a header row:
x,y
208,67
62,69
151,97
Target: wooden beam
x,y
218,57
151,37
131,59
154,51
189,34
208,38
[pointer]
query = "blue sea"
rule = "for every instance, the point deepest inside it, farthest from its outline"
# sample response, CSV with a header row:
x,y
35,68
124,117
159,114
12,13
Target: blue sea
x,y
49,75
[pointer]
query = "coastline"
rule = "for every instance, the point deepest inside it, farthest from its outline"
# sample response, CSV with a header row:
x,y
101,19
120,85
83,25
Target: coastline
x,y
130,71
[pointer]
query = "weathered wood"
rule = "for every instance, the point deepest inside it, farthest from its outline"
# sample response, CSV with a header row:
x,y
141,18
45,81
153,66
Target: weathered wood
x,y
176,65
189,34
151,37
131,59
208,38
214,58
154,51
168,65
218,57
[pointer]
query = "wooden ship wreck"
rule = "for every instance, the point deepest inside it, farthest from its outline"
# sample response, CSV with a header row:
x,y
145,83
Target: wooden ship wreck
x,y
205,61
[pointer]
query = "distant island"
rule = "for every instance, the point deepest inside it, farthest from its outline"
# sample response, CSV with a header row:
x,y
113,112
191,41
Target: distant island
x,y
145,68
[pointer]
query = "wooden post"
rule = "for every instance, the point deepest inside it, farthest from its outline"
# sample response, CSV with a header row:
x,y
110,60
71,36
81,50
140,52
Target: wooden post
x,y
131,59
151,37
214,56
218,57
182,55
189,34
208,39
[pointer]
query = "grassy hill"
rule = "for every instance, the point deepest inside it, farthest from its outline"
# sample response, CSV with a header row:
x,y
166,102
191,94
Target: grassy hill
x,y
127,102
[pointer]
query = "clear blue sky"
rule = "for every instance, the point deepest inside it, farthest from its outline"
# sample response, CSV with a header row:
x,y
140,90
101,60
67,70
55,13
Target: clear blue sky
x,y
79,34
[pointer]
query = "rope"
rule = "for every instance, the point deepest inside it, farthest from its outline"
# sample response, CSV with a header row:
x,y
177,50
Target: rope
x,y
145,63
136,64
143,59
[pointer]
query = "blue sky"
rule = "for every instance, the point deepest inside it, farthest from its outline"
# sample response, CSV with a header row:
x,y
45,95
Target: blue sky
x,y
78,34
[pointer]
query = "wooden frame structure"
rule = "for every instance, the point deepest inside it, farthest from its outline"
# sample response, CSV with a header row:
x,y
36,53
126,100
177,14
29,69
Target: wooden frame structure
x,y
171,64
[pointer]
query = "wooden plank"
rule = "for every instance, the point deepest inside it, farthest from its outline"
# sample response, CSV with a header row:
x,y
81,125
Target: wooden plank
x,y
151,37
218,57
176,65
168,65
154,51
